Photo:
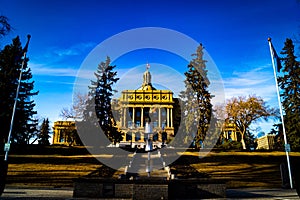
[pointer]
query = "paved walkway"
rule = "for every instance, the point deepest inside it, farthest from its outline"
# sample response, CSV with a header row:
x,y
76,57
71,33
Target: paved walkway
x,y
67,193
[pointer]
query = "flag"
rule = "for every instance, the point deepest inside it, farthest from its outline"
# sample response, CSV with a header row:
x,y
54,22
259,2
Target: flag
x,y
276,57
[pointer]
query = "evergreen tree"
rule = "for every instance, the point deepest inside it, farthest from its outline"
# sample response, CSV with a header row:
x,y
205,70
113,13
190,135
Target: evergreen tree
x,y
101,91
196,98
25,126
278,132
250,140
290,86
44,133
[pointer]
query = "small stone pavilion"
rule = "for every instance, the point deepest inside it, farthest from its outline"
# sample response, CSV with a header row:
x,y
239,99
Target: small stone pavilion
x,y
62,132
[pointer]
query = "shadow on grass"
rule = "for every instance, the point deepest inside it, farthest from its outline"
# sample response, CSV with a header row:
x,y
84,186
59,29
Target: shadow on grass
x,y
35,149
182,168
102,172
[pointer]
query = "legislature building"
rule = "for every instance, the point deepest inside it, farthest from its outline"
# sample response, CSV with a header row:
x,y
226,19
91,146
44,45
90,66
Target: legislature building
x,y
146,105
135,108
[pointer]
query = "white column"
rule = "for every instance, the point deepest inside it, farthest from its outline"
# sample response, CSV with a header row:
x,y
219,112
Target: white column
x,y
133,116
124,115
168,117
159,117
121,119
142,116
171,116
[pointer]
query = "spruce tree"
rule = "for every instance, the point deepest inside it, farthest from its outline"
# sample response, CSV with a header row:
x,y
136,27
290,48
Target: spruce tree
x,y
25,126
196,98
44,133
289,83
101,91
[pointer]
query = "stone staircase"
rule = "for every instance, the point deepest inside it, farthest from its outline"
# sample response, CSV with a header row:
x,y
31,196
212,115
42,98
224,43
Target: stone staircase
x,y
147,165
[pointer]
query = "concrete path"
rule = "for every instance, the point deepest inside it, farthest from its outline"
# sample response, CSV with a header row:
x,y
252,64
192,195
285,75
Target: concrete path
x,y
67,193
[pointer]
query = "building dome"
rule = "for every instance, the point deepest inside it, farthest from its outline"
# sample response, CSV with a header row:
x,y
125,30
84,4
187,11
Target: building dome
x,y
147,85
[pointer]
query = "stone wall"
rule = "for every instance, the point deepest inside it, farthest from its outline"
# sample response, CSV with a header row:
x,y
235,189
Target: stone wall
x,y
148,189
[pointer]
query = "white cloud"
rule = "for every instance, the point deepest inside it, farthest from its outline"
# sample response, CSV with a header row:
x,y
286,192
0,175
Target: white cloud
x,y
43,69
258,81
56,62
73,50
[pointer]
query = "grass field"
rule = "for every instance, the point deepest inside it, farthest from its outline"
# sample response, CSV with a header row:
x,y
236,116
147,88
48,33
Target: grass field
x,y
57,167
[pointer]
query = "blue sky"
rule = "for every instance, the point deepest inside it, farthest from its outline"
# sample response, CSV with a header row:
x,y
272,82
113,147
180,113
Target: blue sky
x,y
233,32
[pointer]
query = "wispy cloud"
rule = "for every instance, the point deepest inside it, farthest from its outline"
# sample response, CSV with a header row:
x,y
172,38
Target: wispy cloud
x,y
57,62
43,69
73,50
258,81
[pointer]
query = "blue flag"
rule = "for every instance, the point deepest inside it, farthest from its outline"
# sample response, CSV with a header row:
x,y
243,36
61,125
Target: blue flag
x,y
277,58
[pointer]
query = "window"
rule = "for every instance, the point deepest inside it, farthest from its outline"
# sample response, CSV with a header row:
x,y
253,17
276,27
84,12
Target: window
x,y
137,136
138,123
130,124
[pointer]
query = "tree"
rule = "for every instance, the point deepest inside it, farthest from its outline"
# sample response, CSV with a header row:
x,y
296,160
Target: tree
x,y
245,111
250,140
289,83
4,29
25,125
279,138
101,92
76,111
44,133
196,98
4,26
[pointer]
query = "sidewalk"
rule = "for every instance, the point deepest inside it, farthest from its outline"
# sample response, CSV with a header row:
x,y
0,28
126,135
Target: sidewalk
x,y
67,193
261,193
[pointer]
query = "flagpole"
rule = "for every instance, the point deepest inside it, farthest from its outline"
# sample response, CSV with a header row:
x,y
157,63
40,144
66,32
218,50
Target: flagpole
x,y
16,100
281,112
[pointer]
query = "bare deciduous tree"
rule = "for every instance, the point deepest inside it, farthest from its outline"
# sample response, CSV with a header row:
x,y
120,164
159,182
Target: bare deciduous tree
x,y
75,111
244,111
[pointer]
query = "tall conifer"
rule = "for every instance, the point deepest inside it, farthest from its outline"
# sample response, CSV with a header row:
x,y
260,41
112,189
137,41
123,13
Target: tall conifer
x,y
289,83
101,91
44,133
197,98
25,125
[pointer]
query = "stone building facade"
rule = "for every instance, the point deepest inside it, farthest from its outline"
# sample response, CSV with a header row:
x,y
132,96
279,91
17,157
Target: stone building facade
x,y
64,132
266,142
229,131
146,105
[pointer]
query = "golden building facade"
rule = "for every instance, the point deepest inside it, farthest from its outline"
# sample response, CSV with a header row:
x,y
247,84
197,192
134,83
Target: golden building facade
x,y
146,105
63,132
229,131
